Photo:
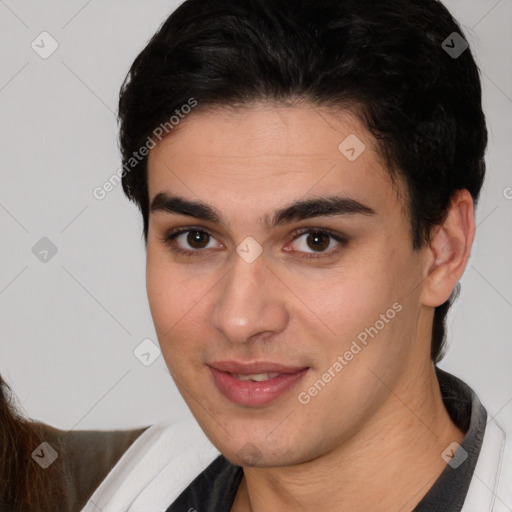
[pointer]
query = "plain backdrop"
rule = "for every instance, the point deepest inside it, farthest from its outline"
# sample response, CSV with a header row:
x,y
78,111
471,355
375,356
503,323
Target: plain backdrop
x,y
69,325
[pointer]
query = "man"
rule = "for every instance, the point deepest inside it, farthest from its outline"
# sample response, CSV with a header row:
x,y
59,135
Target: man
x,y
307,173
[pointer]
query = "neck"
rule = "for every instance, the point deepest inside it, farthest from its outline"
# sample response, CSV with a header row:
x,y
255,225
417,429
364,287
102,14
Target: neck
x,y
390,464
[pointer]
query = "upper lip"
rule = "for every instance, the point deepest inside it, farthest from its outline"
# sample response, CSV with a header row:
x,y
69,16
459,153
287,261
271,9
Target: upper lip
x,y
254,368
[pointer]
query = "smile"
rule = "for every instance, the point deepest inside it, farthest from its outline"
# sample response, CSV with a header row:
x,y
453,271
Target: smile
x,y
256,384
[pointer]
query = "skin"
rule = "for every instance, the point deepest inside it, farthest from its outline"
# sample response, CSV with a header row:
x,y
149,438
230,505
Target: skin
x,y
372,438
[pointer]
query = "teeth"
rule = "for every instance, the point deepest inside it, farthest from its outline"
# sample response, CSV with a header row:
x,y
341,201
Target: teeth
x,y
257,377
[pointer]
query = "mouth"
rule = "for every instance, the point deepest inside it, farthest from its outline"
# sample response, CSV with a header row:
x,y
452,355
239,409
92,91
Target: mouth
x,y
255,377
255,384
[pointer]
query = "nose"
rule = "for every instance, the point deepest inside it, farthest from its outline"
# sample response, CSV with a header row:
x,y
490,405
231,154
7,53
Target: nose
x,y
251,302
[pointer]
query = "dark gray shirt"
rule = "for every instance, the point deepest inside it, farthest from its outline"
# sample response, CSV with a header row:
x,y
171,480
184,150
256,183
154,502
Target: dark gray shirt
x,y
214,489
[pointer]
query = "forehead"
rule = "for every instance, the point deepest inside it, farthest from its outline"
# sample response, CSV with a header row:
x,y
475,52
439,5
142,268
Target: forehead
x,y
269,154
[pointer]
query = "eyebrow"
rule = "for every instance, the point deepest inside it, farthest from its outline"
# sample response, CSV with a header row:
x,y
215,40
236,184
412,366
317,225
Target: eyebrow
x,y
299,210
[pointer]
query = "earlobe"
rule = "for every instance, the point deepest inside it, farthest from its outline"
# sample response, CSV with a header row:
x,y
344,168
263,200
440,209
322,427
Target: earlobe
x,y
449,248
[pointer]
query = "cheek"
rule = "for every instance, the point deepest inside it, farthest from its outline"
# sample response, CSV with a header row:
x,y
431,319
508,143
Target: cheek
x,y
362,299
177,302
351,295
169,293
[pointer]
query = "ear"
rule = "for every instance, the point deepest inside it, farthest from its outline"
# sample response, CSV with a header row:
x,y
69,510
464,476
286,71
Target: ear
x,y
449,250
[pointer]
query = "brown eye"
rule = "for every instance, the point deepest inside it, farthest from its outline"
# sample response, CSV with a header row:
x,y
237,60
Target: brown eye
x,y
197,239
189,242
318,241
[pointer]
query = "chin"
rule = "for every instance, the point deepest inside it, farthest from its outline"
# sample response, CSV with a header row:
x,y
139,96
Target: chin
x,y
251,452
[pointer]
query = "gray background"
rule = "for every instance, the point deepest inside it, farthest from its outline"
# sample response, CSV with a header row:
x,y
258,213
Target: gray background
x,y
69,326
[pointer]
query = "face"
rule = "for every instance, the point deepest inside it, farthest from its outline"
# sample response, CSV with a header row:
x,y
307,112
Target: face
x,y
280,315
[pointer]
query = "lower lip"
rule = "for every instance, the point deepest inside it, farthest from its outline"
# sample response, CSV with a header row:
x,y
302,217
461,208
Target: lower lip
x,y
253,394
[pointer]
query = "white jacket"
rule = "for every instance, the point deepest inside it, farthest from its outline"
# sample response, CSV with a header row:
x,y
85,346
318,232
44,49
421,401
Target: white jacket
x,y
165,459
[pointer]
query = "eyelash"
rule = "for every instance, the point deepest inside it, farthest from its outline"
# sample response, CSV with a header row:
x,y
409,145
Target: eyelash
x,y
168,239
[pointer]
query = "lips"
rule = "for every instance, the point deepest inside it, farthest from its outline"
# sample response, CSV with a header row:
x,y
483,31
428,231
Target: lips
x,y
254,384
